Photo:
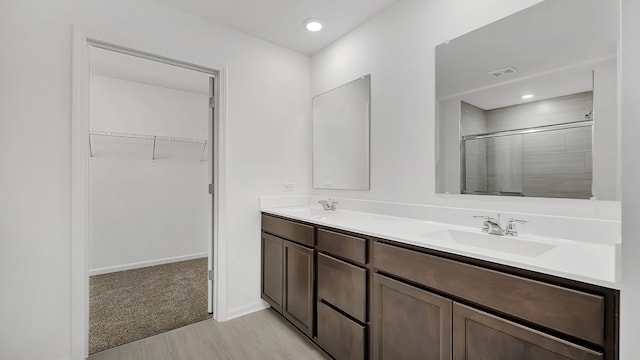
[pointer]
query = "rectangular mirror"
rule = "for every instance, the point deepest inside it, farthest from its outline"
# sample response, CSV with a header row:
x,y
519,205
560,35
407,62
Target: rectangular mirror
x,y
341,137
527,105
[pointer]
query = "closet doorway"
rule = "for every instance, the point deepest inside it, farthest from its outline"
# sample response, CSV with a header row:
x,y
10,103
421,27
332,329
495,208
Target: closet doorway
x,y
151,209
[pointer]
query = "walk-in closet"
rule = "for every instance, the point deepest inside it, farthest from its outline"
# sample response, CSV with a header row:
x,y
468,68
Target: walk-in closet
x,y
149,206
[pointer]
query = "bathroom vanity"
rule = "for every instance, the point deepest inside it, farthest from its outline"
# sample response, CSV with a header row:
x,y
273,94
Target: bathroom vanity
x,y
365,285
372,286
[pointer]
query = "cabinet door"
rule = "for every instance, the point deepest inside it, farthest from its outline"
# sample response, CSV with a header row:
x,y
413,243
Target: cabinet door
x,y
478,335
409,323
298,286
272,249
569,311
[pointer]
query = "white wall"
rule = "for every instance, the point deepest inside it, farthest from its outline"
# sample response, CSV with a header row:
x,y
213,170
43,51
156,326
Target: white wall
x,y
630,88
397,48
267,91
143,211
129,106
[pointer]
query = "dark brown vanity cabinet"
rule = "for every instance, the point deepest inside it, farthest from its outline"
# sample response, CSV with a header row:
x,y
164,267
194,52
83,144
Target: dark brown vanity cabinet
x,y
412,323
479,335
408,322
343,285
288,270
362,297
482,313
338,335
342,295
298,296
272,270
294,264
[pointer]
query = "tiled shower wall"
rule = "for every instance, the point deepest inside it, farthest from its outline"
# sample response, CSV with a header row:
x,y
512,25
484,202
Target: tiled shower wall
x,y
554,163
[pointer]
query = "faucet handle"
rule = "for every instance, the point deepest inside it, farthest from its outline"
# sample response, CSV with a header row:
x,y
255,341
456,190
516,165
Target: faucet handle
x,y
513,221
511,226
485,223
324,203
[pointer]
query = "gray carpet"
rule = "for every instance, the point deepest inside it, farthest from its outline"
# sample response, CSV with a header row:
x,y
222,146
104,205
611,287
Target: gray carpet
x,y
131,305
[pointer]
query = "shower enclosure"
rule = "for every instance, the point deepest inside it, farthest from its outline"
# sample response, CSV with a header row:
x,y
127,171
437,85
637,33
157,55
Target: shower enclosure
x,y
544,161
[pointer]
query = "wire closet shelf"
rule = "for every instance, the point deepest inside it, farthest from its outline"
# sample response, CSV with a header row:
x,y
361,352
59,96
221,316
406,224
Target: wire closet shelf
x,y
155,138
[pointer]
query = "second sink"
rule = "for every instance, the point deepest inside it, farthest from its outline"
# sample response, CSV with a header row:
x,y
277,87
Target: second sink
x,y
511,245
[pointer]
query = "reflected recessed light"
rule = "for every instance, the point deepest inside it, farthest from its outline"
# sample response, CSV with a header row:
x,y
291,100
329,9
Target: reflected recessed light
x,y
313,24
527,96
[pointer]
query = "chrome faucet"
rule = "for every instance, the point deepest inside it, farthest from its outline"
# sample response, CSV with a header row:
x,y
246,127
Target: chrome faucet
x,y
329,205
491,225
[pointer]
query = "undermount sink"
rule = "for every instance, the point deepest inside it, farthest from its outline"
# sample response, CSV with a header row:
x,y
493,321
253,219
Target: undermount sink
x,y
507,244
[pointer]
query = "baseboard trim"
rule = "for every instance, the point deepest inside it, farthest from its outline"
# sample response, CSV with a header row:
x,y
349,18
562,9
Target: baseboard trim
x,y
247,309
141,264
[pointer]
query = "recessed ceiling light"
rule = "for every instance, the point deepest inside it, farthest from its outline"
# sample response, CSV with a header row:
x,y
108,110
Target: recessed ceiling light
x,y
527,96
313,24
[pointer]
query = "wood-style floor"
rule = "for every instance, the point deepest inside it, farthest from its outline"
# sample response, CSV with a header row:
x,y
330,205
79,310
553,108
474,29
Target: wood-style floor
x,y
260,335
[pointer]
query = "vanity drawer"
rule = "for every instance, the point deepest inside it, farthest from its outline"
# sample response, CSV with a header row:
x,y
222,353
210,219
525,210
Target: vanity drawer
x,y
341,337
343,285
566,310
289,230
344,246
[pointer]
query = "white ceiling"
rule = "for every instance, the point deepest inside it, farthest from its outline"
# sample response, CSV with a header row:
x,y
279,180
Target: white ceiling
x,y
281,21
127,67
579,33
553,45
277,21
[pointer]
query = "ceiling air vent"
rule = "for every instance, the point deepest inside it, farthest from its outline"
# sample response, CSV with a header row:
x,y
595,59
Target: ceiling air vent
x,y
509,70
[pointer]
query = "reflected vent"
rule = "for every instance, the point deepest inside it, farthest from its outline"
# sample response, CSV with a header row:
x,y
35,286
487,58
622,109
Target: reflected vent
x,y
510,70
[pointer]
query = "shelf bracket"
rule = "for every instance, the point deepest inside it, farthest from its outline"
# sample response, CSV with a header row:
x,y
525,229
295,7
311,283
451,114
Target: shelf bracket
x,y
153,153
90,150
204,147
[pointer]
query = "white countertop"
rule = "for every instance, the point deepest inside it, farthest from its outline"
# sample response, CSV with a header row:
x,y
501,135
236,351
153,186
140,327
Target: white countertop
x,y
589,262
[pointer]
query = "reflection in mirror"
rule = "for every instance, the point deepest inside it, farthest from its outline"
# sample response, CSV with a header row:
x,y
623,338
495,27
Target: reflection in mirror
x,y
534,149
526,106
341,137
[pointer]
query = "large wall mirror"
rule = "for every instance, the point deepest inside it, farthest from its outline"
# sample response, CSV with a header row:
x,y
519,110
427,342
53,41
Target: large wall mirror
x,y
341,137
527,105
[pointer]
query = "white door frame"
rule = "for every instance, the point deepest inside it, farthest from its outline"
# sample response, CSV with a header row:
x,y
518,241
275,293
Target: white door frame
x,y
80,176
